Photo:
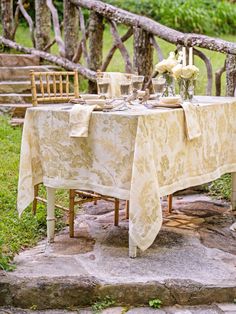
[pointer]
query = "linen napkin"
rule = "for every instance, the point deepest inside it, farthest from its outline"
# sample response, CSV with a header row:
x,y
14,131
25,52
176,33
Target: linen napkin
x,y
116,78
191,114
79,120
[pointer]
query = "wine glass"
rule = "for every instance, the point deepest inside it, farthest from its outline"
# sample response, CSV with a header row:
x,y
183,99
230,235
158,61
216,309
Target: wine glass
x,y
137,82
158,84
103,84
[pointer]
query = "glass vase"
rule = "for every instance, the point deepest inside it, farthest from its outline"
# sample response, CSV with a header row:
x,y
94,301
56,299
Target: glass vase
x,y
186,89
169,88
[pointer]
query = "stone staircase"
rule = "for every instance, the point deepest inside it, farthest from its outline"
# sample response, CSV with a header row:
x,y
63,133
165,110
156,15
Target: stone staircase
x,y
15,87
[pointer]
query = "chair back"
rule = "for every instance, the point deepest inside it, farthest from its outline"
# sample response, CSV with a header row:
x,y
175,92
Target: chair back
x,y
54,87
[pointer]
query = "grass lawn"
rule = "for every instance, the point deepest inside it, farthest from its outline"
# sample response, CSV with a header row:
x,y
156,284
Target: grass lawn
x,y
15,233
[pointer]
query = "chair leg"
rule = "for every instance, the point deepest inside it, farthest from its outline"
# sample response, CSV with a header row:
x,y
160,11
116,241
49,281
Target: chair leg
x,y
71,213
127,209
36,193
170,201
117,203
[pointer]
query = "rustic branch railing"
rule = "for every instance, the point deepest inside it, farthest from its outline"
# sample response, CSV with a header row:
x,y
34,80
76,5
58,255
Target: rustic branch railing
x,y
144,31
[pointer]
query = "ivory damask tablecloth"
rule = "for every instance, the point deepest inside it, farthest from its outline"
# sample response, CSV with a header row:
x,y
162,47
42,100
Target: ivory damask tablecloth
x,y
138,155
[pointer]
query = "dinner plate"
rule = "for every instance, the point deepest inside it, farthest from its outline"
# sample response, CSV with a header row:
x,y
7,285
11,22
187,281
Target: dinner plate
x,y
90,96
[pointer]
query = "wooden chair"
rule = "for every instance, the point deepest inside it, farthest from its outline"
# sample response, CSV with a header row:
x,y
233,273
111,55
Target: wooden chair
x,y
55,87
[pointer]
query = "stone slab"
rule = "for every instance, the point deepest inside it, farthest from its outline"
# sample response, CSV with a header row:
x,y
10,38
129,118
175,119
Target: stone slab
x,y
15,98
22,73
201,309
179,268
12,60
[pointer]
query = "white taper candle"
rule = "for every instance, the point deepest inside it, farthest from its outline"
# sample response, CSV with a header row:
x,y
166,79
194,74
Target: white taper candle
x,y
184,56
191,56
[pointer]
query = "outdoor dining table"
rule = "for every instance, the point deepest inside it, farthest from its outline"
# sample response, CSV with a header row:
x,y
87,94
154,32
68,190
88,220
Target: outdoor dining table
x,y
139,155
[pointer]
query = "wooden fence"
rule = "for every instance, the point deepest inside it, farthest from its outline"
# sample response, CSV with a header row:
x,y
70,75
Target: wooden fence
x,y
88,43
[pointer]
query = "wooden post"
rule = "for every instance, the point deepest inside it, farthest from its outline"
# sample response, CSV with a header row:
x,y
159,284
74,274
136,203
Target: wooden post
x,y
170,203
35,201
233,197
127,209
143,53
33,89
76,84
7,19
95,28
72,213
231,75
116,212
43,24
71,29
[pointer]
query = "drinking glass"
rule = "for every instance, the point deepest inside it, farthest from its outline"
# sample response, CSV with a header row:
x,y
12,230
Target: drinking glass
x,y
103,86
158,84
137,82
125,86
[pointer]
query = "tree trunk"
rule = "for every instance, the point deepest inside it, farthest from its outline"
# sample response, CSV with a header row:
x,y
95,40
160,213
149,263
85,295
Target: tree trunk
x,y
43,24
143,53
7,19
231,75
71,29
96,28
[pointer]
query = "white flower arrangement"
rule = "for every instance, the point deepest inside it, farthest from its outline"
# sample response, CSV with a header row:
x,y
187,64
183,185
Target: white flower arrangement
x,y
165,66
189,72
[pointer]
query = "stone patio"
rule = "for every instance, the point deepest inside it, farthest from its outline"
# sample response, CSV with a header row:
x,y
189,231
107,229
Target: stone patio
x,y
191,262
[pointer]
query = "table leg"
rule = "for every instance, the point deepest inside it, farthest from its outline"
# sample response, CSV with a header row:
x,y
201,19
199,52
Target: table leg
x,y
132,248
233,198
50,214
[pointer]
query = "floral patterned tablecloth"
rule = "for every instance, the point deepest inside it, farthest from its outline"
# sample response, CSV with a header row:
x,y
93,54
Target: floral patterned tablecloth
x,y
138,154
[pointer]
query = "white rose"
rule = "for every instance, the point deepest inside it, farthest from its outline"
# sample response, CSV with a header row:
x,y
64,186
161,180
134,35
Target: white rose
x,y
161,67
189,72
171,63
177,71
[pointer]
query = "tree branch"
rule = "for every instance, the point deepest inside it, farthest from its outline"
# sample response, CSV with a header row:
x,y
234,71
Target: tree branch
x,y
166,33
110,54
28,19
119,44
56,26
63,62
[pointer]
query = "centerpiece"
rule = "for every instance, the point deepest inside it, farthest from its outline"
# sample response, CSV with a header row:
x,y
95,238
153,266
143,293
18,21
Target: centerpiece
x,y
164,68
186,75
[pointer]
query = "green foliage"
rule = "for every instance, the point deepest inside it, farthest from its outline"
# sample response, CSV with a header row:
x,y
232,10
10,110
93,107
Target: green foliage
x,y
102,304
221,187
16,233
155,303
202,16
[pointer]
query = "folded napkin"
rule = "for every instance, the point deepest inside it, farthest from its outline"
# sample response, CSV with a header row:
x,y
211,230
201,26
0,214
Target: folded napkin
x,y
116,78
79,120
191,114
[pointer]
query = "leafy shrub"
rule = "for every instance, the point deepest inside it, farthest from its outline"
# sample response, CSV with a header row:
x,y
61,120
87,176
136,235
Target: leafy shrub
x,y
202,16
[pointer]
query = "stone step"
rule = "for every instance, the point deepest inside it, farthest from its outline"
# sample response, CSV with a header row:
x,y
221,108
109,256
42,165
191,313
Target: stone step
x,y
21,87
22,73
16,110
17,122
15,98
13,60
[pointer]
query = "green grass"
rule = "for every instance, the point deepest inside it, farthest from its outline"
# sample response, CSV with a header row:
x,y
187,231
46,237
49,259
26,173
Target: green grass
x,y
15,233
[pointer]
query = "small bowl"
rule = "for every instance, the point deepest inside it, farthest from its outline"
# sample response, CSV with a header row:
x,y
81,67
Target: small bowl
x,y
171,99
